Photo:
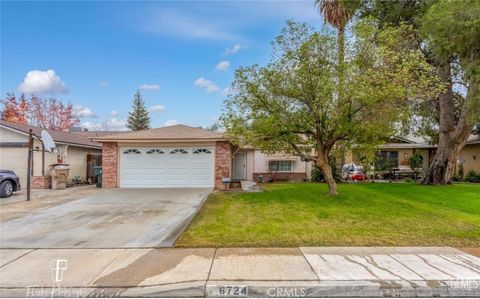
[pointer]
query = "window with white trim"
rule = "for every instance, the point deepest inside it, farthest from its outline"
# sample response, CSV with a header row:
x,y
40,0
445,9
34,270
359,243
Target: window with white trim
x,y
155,151
178,151
202,151
131,151
280,166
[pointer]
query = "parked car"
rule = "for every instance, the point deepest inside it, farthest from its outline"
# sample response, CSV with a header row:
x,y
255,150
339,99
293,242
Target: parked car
x,y
359,176
9,183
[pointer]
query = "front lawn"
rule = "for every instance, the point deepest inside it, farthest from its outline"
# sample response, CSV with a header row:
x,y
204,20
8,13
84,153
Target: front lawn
x,y
301,214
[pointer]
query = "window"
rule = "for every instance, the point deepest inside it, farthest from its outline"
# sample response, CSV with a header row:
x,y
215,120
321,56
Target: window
x,y
155,151
280,166
132,151
179,151
202,151
386,160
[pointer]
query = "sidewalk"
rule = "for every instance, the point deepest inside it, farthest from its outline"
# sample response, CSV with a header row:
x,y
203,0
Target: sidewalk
x,y
241,272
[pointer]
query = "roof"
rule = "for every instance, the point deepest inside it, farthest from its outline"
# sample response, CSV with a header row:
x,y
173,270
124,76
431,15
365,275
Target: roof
x,y
92,134
58,136
170,133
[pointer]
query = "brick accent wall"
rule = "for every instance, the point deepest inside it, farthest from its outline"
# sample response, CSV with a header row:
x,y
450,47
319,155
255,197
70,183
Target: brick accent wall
x,y
223,162
109,165
40,182
281,176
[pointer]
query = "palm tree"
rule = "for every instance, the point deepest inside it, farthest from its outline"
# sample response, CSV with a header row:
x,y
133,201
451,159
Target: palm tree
x,y
338,16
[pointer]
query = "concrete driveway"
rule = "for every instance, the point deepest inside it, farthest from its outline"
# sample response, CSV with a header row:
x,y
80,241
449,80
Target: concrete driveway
x,y
115,218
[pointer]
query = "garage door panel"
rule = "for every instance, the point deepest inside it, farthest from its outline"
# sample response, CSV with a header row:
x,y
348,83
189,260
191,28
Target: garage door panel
x,y
157,167
155,171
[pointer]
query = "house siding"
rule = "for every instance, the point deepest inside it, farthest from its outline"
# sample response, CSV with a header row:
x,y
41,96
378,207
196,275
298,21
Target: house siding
x,y
471,154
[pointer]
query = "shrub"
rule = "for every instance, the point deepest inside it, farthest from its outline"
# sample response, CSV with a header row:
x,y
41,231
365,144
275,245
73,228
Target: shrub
x,y
408,180
317,174
472,177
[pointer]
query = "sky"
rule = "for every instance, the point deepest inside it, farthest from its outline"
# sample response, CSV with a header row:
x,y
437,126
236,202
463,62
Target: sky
x,y
181,55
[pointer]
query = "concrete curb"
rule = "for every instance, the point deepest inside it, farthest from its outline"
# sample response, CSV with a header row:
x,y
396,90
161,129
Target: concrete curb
x,y
262,289
243,272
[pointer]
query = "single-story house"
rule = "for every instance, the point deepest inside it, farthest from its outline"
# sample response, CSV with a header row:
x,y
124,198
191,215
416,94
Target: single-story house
x,y
399,150
183,156
74,149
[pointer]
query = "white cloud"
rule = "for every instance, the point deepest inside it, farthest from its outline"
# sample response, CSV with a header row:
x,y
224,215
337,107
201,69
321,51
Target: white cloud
x,y
156,108
223,66
150,87
113,113
83,112
171,122
187,25
103,83
208,85
234,49
42,82
112,124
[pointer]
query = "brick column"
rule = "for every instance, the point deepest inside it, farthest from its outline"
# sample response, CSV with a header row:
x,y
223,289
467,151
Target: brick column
x,y
109,165
223,162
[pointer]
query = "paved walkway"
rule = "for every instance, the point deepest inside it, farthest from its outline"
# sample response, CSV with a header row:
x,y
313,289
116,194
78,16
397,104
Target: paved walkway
x,y
241,272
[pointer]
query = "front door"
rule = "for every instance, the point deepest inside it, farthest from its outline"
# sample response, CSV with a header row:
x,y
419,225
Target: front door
x,y
240,166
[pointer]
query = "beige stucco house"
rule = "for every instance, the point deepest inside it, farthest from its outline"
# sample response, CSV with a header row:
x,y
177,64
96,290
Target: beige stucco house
x,y
401,149
76,149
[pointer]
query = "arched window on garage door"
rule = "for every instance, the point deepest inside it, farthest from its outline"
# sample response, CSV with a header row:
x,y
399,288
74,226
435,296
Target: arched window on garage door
x,y
178,151
155,151
202,151
132,151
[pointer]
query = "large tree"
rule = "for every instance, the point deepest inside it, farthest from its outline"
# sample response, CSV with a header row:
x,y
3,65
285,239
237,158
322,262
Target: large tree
x,y
138,119
448,34
48,113
292,103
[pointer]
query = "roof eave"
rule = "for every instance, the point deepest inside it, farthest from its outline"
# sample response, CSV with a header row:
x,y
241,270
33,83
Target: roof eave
x,y
22,132
162,140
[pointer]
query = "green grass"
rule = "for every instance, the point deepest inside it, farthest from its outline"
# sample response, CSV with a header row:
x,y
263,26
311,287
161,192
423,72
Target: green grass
x,y
302,214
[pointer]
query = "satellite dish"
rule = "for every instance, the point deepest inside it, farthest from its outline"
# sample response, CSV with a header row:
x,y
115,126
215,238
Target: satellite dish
x,y
48,142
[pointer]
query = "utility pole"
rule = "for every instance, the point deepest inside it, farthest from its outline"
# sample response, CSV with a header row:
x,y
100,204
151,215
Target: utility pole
x,y
29,168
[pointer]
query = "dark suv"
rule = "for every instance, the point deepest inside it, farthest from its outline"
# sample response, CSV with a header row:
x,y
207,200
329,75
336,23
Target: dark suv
x,y
9,182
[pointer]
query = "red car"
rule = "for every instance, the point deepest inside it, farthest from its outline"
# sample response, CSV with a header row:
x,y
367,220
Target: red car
x,y
359,176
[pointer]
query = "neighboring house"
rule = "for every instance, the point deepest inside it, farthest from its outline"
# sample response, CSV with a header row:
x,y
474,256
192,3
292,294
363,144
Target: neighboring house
x,y
183,156
399,150
77,150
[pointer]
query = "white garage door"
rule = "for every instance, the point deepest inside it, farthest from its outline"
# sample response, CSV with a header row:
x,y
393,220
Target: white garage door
x,y
156,167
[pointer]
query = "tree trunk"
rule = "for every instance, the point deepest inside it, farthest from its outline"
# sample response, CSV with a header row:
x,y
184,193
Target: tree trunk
x,y
451,137
324,166
341,62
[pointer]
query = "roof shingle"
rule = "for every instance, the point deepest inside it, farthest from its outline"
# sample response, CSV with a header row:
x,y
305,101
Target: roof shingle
x,y
176,132
58,136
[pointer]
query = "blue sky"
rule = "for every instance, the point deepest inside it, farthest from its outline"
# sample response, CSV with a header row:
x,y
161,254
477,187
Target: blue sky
x,y
180,54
